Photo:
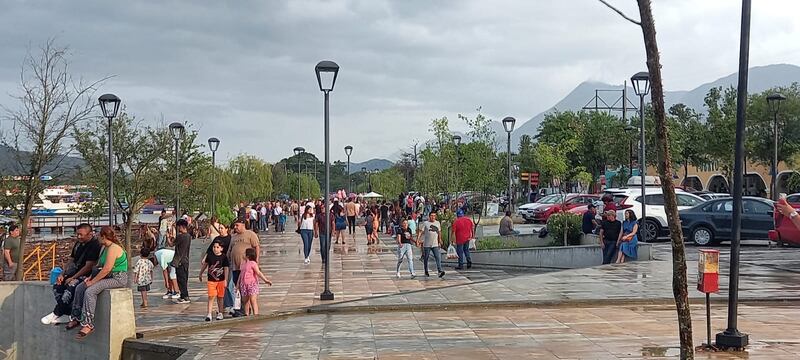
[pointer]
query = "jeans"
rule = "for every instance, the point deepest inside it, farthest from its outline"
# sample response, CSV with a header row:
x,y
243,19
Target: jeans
x,y
9,272
324,246
437,255
384,224
262,223
351,224
162,240
182,275
308,237
228,300
64,295
405,251
463,252
609,251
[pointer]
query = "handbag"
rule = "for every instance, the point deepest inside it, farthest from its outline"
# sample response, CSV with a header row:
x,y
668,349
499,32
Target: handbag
x,y
96,270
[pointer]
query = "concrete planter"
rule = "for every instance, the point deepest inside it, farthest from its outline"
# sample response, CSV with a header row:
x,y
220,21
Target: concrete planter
x,y
554,257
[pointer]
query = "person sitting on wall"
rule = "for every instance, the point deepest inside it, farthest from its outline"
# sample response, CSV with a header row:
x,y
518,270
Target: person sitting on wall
x,y
507,225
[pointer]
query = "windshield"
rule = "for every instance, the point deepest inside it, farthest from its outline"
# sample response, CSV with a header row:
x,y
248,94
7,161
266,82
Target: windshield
x,y
551,199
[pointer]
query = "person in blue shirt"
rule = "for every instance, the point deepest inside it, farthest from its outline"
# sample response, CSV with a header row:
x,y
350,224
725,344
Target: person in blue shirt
x,y
589,223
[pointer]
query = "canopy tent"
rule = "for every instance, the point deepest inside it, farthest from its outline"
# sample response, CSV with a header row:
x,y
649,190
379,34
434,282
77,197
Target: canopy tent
x,y
372,195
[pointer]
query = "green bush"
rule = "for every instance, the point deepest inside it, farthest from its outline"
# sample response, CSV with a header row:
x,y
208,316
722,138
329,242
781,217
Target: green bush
x,y
496,242
225,214
565,221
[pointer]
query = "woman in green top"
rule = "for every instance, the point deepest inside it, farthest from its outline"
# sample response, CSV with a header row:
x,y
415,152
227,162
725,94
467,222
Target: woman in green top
x,y
113,273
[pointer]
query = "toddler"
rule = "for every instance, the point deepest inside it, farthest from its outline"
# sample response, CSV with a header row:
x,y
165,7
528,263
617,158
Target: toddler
x,y
143,274
248,283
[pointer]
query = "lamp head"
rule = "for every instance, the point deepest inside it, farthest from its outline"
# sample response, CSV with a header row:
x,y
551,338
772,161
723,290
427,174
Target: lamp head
x,y
457,139
213,144
348,150
641,83
774,100
177,129
299,150
109,103
326,75
508,123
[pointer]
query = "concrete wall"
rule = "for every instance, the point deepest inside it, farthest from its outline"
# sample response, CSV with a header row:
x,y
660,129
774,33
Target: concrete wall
x,y
556,257
22,335
525,241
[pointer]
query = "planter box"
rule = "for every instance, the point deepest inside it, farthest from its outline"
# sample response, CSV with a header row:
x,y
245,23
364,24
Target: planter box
x,y
554,257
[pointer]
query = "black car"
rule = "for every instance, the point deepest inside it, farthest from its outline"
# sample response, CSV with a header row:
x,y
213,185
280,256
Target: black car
x,y
710,222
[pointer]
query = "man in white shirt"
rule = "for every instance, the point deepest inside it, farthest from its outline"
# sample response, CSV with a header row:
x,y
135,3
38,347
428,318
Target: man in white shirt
x,y
262,221
277,212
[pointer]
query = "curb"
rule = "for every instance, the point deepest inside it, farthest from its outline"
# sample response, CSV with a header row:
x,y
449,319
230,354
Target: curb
x,y
177,330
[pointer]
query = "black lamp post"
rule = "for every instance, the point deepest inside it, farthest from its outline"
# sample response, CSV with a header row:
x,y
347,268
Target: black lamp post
x,y
109,103
177,129
297,151
366,179
326,78
213,145
774,102
629,130
731,337
348,150
457,141
508,124
641,86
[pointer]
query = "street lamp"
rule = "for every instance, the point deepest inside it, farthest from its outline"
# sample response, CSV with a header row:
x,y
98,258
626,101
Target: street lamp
x,y
348,150
457,141
508,124
109,103
629,129
297,151
365,173
177,130
213,145
774,102
327,71
641,86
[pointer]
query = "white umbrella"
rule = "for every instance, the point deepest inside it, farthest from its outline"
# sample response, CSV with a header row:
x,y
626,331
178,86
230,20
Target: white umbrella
x,y
372,195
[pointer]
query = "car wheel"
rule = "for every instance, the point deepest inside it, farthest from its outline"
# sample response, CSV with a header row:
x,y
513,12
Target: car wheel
x,y
702,236
652,228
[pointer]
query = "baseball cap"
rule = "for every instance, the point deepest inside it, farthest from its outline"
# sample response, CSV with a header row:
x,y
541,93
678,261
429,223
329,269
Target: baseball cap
x,y
459,213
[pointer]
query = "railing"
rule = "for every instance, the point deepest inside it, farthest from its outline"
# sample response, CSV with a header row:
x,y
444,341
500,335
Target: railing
x,y
40,256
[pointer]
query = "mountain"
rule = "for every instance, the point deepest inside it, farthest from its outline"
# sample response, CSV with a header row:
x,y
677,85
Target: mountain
x,y
372,164
68,169
760,78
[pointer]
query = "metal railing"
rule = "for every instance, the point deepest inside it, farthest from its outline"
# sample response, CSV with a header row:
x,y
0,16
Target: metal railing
x,y
40,256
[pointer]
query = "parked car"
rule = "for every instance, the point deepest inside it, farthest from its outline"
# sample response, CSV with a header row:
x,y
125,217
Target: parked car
x,y
784,231
541,210
711,195
710,223
656,222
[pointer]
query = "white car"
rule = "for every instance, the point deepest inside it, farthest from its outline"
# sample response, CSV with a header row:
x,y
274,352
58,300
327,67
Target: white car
x,y
656,222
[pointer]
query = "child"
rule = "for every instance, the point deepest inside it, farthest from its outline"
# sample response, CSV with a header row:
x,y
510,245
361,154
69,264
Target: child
x,y
143,274
248,283
218,267
163,258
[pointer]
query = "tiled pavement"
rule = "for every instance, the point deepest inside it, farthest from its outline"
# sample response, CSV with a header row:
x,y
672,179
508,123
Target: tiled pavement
x,y
619,332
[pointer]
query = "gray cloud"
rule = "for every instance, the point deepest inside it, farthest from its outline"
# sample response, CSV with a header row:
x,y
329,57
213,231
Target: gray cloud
x,y
243,71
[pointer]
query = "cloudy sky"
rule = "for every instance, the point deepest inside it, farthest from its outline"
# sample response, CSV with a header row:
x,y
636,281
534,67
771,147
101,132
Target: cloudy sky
x,y
244,71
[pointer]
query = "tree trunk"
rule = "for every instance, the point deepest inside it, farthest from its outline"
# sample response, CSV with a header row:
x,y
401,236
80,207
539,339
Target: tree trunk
x,y
128,234
679,281
23,237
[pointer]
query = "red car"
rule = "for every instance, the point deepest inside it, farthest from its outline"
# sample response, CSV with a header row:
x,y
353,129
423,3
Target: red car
x,y
785,232
573,201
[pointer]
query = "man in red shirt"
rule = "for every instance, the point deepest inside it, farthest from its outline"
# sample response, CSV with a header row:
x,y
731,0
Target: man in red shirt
x,y
462,231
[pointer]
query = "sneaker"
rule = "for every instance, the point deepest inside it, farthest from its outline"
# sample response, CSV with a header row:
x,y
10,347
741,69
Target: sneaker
x,y
427,275
459,267
49,319
208,317
469,265
441,274
219,316
413,275
175,296
63,319
168,295
307,261
399,276
182,301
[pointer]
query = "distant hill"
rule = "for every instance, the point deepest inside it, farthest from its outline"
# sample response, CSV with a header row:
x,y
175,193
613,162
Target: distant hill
x,y
372,164
70,166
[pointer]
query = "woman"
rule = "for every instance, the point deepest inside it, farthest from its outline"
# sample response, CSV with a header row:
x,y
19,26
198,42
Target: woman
x,y
629,241
307,232
376,222
340,222
148,237
111,274
368,224
405,243
213,228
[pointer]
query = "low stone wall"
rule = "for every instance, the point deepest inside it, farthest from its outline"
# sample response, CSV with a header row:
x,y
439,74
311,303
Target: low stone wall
x,y
554,257
22,335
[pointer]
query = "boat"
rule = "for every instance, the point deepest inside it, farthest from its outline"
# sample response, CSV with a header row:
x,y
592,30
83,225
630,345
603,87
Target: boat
x,y
58,201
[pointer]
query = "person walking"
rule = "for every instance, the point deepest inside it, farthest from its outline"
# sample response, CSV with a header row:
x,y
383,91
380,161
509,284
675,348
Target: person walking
x,y
11,253
180,261
351,211
628,242
405,245
322,232
384,218
306,228
369,225
262,219
143,274
462,231
340,221
218,274
431,237
610,235
248,283
241,240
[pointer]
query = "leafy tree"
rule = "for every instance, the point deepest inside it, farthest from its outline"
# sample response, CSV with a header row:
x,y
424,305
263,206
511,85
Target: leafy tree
x,y
389,183
690,138
721,121
760,123
251,178
195,171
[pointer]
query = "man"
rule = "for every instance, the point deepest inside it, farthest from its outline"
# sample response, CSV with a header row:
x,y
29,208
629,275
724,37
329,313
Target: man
x,y
277,211
323,233
164,223
262,219
462,231
589,223
431,235
11,253
610,234
82,260
351,211
384,224
507,225
180,262
253,218
241,240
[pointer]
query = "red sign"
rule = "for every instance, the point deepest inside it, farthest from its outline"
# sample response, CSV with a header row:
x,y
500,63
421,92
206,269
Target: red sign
x,y
534,179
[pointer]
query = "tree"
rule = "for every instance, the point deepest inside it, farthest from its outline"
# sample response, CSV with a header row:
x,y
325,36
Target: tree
x,y
388,183
690,138
721,121
760,121
251,178
51,103
679,280
138,158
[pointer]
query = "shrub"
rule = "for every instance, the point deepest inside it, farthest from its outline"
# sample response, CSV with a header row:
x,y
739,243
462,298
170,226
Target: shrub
x,y
565,221
496,242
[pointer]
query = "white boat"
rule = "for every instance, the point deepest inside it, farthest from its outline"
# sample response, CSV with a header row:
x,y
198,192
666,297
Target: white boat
x,y
57,201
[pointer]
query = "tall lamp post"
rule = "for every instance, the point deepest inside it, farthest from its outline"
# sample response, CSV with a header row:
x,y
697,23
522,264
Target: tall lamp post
x,y
774,102
109,103
630,130
732,337
177,129
508,124
366,174
641,86
348,150
213,145
297,151
327,71
457,141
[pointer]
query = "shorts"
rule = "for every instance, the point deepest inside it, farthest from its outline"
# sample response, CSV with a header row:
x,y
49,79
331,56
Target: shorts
x,y
216,289
368,229
143,288
172,274
249,289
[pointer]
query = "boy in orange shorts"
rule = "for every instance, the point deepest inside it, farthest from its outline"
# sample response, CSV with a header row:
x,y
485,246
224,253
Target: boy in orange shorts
x,y
218,269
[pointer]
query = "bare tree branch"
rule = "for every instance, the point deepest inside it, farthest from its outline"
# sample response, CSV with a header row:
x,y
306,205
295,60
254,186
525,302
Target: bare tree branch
x,y
620,12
